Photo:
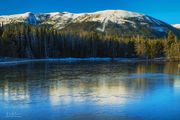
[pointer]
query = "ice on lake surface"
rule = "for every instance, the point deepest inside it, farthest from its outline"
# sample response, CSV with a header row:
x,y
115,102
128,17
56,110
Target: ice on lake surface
x,y
90,90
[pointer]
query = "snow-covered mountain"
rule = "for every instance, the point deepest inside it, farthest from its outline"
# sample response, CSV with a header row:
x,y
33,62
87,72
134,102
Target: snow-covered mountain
x,y
24,18
176,26
60,19
108,21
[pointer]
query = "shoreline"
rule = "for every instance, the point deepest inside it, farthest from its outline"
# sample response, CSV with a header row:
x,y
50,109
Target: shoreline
x,y
5,61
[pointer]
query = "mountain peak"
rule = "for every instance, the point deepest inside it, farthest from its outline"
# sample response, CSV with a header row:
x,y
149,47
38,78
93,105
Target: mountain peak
x,y
24,15
120,13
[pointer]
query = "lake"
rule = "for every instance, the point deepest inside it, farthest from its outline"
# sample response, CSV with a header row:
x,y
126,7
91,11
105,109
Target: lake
x,y
90,90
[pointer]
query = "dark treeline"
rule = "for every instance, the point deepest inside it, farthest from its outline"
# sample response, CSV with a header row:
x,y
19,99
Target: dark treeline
x,y
25,41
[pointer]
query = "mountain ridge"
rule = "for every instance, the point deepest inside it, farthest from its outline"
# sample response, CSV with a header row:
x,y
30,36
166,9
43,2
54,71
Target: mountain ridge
x,y
120,21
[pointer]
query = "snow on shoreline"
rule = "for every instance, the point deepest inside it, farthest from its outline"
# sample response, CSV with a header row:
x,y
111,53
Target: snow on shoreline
x,y
15,61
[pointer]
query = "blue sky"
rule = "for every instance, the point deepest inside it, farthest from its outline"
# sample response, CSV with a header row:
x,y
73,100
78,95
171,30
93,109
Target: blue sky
x,y
166,10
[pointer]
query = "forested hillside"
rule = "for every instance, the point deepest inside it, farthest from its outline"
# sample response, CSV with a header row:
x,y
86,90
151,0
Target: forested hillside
x,y
26,41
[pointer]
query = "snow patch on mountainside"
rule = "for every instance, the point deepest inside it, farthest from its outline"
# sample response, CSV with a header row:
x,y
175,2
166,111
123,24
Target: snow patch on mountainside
x,y
104,25
176,26
117,13
115,16
104,17
60,20
27,17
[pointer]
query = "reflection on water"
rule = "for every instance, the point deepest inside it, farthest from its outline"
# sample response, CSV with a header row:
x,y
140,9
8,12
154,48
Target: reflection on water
x,y
90,90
